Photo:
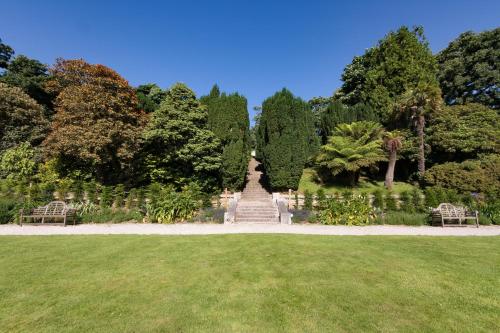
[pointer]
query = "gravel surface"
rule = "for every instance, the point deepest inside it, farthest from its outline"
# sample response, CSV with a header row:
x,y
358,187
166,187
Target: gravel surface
x,y
208,229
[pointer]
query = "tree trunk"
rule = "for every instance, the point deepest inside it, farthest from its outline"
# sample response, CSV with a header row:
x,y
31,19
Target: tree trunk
x,y
389,175
421,145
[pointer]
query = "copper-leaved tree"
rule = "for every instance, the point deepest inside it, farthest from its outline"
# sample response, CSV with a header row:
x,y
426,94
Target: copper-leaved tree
x,y
97,126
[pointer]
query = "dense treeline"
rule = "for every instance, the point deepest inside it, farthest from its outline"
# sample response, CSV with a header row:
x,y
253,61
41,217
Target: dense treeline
x,y
417,117
228,119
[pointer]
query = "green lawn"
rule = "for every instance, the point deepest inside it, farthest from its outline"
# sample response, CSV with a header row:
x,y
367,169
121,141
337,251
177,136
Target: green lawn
x,y
249,283
307,182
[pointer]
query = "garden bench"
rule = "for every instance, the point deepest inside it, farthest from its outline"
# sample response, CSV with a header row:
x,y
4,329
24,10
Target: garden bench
x,y
53,211
448,212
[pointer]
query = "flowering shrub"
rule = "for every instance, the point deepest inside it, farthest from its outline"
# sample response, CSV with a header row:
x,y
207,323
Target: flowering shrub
x,y
349,211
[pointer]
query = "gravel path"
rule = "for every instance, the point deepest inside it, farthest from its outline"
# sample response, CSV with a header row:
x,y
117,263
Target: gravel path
x,y
208,229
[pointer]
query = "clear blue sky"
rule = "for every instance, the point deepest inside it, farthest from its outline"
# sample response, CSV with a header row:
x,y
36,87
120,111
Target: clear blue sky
x,y
253,47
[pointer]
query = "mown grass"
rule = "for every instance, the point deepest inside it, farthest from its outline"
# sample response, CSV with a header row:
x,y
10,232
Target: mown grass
x,y
249,283
308,182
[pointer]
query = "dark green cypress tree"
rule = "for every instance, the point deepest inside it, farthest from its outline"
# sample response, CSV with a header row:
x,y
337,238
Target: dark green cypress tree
x,y
286,138
228,119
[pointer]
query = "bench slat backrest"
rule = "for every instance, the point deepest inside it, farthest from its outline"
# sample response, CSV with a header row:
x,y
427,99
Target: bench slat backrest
x,y
449,210
55,208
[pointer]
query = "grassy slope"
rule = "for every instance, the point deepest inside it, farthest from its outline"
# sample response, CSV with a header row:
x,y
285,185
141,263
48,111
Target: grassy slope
x,y
251,283
307,183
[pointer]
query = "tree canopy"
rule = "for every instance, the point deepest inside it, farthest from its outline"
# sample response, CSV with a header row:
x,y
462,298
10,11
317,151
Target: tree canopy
x,y
97,126
228,119
399,62
351,148
469,69
285,138
465,131
149,97
30,75
180,148
6,53
21,118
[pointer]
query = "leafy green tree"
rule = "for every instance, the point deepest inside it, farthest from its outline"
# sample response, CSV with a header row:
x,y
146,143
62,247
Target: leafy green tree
x,y
228,119
469,69
149,97
415,104
464,131
399,62
351,148
285,139
336,113
6,53
18,163
482,175
21,118
97,126
393,142
180,148
30,75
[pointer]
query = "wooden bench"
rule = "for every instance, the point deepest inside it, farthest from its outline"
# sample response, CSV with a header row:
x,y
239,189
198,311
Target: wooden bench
x,y
448,212
55,210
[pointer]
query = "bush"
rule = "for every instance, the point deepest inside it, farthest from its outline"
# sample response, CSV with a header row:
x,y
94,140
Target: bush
x,y
210,215
416,199
378,199
406,200
119,194
130,202
403,218
480,176
391,203
300,215
353,211
7,210
78,191
63,188
108,215
308,200
174,206
106,197
320,198
90,189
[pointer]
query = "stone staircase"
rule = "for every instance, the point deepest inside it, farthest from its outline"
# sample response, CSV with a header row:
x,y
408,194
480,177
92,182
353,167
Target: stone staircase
x,y
256,204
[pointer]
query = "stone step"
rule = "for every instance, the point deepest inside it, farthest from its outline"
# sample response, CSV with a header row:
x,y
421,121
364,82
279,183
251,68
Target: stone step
x,y
253,220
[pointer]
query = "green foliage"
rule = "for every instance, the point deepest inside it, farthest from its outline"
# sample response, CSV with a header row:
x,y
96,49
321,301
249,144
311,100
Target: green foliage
x,y
119,195
308,200
6,53
109,215
481,175
63,187
416,199
130,202
78,191
351,148
406,201
228,119
469,129
391,203
180,148
378,199
296,199
335,113
149,97
320,198
174,206
153,193
90,189
140,198
18,163
398,63
7,210
30,75
437,195
106,197
402,218
351,211
469,69
21,118
285,139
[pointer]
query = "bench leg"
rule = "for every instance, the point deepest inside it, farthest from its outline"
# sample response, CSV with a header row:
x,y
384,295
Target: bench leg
x,y
442,222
